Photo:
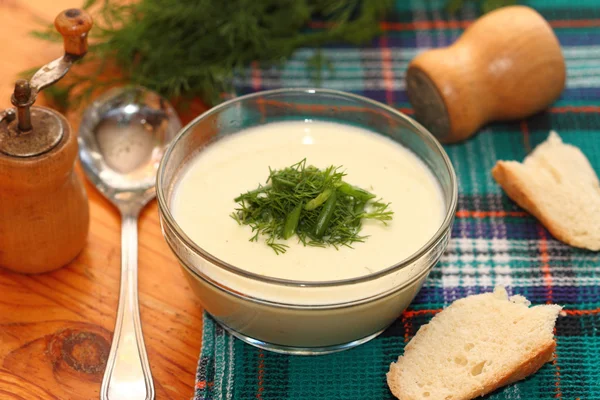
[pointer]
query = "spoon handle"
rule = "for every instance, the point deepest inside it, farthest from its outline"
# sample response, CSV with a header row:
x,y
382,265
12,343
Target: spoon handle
x,y
127,375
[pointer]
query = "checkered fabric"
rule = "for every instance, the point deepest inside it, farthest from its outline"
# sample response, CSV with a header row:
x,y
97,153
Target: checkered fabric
x,y
494,241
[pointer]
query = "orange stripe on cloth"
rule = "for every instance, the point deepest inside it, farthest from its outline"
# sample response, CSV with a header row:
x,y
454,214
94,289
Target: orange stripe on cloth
x,y
547,274
429,25
424,25
575,23
256,78
261,373
406,323
439,24
575,109
558,393
489,214
526,138
552,110
545,267
386,70
406,110
204,384
413,313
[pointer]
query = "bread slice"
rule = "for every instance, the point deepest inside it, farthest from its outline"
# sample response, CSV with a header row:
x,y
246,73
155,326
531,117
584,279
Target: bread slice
x,y
474,346
557,184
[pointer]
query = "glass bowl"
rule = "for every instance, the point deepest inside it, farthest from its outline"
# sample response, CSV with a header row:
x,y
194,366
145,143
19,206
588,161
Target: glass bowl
x,y
302,317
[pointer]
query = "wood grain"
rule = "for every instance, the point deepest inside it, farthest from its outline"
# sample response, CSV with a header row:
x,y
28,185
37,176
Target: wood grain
x,y
44,206
55,328
507,65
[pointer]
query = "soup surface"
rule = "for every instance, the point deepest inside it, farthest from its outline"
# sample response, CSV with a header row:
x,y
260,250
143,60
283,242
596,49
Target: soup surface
x,y
203,198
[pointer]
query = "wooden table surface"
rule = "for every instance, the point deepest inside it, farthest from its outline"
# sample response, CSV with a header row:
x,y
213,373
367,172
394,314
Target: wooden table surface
x,y
56,328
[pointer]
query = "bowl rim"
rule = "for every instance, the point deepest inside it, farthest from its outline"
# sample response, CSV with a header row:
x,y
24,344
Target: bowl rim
x,y
167,216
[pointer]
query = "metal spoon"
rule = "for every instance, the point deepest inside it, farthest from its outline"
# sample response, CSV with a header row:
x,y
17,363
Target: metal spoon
x,y
121,140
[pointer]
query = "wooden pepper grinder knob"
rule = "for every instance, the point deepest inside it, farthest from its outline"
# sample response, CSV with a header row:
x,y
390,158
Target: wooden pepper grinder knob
x,y
44,215
74,25
507,65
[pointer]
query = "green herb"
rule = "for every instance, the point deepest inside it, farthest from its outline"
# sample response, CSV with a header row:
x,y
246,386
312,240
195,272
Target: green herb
x,y
315,205
194,47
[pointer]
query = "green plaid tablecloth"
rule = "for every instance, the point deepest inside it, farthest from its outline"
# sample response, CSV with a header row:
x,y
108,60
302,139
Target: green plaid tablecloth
x,y
494,241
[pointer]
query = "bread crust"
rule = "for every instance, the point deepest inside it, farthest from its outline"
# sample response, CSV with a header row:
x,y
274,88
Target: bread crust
x,y
517,190
530,366
533,362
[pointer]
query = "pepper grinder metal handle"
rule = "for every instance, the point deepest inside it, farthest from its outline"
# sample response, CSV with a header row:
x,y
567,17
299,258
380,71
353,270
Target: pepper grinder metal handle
x,y
73,25
44,214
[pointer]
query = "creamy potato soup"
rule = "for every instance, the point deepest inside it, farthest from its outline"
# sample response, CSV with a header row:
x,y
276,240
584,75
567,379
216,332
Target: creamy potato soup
x,y
204,198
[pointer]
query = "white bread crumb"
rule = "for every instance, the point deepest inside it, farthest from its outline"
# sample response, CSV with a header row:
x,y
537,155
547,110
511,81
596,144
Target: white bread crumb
x,y
474,346
557,184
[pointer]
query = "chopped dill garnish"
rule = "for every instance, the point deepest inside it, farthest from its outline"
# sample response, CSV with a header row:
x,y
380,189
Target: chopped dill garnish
x,y
315,205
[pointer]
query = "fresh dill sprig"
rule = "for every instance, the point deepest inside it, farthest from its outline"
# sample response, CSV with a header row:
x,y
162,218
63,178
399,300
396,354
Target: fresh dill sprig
x,y
193,48
315,205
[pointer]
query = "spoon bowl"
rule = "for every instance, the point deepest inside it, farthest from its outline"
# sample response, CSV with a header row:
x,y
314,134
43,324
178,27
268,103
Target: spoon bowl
x,y
122,138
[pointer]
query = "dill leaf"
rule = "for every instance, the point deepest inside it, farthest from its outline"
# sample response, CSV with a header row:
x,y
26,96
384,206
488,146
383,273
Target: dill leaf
x,y
315,205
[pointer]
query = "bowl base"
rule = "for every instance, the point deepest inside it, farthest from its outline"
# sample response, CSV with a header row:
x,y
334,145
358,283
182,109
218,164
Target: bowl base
x,y
300,351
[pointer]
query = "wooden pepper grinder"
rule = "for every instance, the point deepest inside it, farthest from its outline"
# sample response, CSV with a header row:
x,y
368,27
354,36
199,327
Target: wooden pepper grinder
x,y
44,214
507,65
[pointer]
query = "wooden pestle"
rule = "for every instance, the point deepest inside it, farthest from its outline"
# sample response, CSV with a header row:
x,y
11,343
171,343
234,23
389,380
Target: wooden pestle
x,y
507,65
44,213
